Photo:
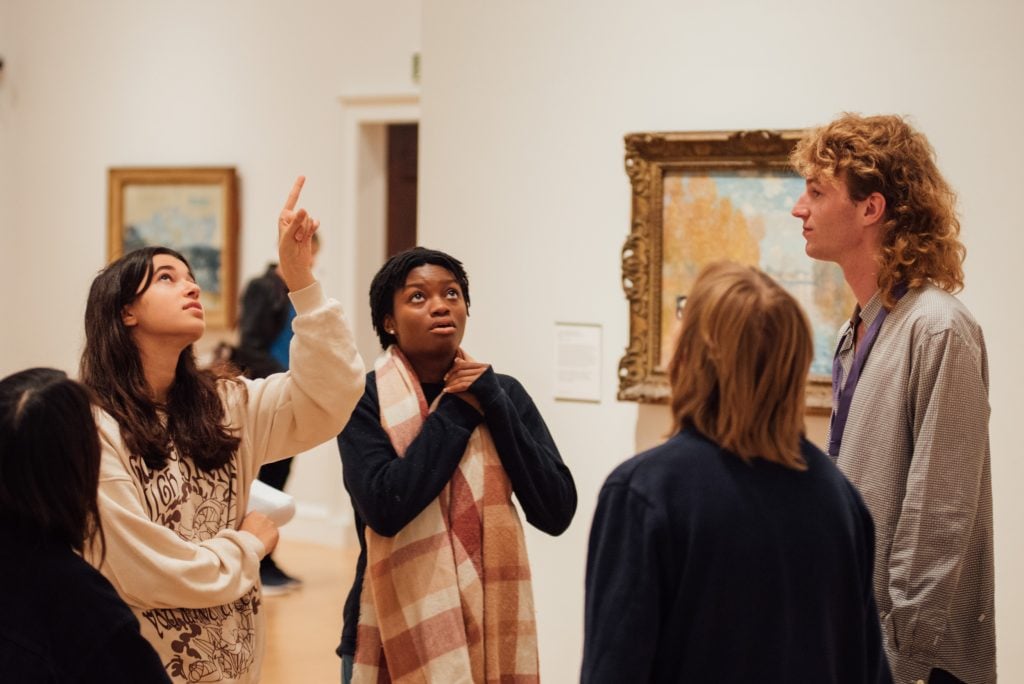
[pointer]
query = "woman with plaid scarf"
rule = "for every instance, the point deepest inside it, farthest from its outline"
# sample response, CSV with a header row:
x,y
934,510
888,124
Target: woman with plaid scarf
x,y
432,454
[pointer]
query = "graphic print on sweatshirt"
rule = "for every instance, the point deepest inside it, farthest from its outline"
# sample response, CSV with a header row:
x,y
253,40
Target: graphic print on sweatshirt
x,y
198,644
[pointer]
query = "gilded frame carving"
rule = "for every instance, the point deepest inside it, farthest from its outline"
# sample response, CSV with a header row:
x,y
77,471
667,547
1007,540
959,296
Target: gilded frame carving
x,y
193,210
649,157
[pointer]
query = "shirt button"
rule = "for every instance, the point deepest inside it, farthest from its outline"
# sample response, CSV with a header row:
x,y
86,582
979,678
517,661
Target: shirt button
x,y
981,618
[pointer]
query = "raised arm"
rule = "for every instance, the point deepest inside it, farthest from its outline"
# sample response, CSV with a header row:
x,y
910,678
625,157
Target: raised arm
x,y
291,412
295,228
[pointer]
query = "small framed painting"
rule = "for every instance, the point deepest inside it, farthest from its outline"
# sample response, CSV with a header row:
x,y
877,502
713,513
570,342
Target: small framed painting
x,y
191,210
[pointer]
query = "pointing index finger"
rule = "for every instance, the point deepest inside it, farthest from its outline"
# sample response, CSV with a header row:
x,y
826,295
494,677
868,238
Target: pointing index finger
x,y
293,196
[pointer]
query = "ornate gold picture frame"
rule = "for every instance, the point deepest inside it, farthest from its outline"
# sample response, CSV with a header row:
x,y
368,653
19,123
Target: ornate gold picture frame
x,y
701,197
191,210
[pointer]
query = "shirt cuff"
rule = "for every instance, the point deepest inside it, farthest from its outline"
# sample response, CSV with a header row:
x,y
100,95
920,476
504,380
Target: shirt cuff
x,y
486,388
906,670
250,542
309,298
913,633
460,412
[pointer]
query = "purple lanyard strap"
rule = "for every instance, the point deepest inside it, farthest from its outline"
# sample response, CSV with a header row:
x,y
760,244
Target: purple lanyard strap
x,y
842,397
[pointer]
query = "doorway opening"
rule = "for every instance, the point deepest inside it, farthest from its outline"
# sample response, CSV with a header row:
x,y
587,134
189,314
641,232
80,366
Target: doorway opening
x,y
401,191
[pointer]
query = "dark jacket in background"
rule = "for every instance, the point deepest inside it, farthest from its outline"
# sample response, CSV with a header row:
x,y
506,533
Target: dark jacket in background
x,y
264,313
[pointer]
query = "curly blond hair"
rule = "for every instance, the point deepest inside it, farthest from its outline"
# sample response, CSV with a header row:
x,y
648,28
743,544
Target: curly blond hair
x,y
921,233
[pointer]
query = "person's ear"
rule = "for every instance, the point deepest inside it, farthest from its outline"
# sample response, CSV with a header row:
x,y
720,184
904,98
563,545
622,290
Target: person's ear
x,y
874,208
128,318
389,326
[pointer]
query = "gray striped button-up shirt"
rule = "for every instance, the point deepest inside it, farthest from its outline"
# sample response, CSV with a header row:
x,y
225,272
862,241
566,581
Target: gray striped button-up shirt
x,y
916,446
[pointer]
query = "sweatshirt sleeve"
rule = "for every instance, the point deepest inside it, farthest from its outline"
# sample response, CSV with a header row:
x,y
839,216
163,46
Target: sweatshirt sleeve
x,y
150,565
388,491
541,481
622,612
290,412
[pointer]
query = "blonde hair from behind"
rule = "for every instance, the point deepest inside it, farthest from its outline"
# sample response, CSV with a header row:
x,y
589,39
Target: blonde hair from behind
x,y
739,370
920,238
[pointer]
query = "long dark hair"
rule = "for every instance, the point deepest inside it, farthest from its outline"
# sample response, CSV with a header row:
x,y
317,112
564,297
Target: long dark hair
x,y
112,368
49,457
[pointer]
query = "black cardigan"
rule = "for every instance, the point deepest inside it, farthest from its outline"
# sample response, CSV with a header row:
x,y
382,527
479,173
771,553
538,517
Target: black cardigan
x,y
388,492
705,568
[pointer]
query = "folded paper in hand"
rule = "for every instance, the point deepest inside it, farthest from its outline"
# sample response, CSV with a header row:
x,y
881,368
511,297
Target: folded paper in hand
x,y
273,503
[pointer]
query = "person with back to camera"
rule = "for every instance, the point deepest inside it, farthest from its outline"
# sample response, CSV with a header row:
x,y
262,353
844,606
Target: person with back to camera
x,y
182,446
735,551
910,390
61,622
434,450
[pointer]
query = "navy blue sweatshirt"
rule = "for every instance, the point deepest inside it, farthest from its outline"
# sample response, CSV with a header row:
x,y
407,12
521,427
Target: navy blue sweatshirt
x,y
706,568
388,492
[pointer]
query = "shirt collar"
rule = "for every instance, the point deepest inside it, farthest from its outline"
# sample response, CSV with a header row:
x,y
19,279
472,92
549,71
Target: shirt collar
x,y
870,310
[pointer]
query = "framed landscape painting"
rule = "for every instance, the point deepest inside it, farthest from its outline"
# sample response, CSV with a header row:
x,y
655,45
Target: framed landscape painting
x,y
191,210
703,197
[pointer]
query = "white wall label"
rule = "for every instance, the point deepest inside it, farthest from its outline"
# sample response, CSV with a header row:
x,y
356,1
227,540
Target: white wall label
x,y
578,361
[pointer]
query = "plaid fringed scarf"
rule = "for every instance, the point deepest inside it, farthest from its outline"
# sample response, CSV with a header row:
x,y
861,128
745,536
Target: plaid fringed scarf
x,y
448,599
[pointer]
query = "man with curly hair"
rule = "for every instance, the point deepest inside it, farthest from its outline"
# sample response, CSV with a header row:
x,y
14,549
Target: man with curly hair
x,y
910,390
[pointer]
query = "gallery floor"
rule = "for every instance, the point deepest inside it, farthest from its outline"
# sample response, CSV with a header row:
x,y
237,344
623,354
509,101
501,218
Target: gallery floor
x,y
304,625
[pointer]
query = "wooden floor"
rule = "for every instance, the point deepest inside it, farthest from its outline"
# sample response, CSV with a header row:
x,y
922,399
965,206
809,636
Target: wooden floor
x,y
304,625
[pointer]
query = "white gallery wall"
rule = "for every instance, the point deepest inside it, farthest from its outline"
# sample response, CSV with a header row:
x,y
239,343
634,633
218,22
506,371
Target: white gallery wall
x,y
109,83
254,85
7,180
524,105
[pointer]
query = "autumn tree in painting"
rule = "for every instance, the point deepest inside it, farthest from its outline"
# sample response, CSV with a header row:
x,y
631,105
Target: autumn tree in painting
x,y
700,227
